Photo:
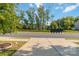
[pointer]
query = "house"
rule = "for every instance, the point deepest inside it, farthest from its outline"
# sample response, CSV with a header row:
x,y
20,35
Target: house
x,y
77,25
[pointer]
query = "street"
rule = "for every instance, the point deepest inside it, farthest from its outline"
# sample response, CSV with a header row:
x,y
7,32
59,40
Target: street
x,y
42,35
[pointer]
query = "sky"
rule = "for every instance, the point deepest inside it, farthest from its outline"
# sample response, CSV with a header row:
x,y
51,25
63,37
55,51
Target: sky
x,y
59,10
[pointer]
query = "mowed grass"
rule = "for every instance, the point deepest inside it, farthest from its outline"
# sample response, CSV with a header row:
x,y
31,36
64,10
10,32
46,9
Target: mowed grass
x,y
15,46
71,31
72,38
48,31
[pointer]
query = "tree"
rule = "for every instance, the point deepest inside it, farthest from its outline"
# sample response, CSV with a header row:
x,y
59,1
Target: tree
x,y
66,23
30,15
8,18
41,14
35,18
37,22
44,16
54,25
47,17
76,18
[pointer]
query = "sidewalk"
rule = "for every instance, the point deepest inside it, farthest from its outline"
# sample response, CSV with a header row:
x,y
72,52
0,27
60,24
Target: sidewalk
x,y
47,47
37,47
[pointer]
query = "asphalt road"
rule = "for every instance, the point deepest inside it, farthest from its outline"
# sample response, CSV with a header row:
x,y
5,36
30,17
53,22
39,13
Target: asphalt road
x,y
42,35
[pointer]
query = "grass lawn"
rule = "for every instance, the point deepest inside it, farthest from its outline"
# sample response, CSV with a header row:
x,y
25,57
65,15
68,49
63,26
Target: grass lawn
x,y
71,31
72,38
26,30
15,45
48,31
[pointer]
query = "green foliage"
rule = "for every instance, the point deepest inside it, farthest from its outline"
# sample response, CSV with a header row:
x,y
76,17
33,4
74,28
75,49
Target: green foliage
x,y
30,14
36,18
12,19
44,16
8,18
76,18
37,22
65,23
54,25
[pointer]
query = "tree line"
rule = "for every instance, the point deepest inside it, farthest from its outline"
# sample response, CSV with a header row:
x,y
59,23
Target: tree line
x,y
65,23
13,19
36,19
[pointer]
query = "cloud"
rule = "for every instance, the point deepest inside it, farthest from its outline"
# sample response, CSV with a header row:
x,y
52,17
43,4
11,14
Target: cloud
x,y
70,8
59,7
31,5
60,4
38,4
